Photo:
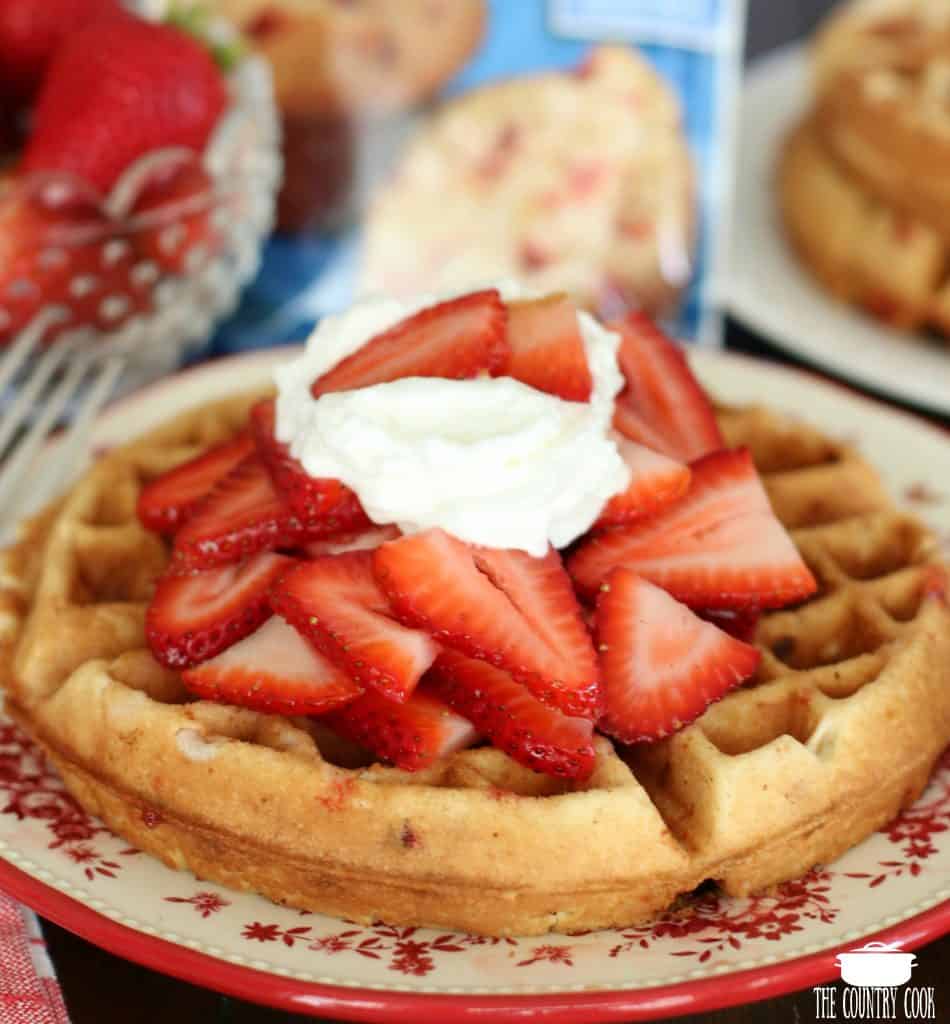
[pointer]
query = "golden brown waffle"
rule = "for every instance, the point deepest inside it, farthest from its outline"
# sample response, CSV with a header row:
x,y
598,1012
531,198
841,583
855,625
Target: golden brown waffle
x,y
838,732
889,127
863,180
864,251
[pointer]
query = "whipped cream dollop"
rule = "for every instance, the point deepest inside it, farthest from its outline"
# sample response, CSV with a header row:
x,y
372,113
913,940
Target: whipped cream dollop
x,y
490,460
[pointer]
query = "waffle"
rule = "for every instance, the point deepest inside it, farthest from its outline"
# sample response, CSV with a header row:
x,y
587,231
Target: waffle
x,y
863,178
837,733
861,249
889,127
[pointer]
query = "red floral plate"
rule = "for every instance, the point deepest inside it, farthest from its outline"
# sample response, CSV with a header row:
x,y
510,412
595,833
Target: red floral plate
x,y
718,952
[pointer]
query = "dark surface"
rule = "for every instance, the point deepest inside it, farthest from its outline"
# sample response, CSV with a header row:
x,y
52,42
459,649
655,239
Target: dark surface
x,y
103,989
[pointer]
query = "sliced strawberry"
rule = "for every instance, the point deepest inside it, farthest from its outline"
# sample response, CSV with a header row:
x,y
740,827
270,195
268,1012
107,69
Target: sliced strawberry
x,y
740,623
194,616
457,339
504,607
535,735
170,499
719,547
662,665
273,670
411,736
337,604
358,540
547,349
244,514
663,405
310,497
656,481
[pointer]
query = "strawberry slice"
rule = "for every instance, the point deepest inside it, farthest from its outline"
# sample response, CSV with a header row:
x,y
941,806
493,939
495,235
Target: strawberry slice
x,y
719,547
411,736
530,732
547,349
505,607
194,616
656,481
663,405
662,665
244,514
457,339
358,540
337,604
740,623
310,497
170,499
273,670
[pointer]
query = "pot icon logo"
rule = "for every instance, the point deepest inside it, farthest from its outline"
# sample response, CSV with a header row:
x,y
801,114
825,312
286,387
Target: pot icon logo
x,y
876,964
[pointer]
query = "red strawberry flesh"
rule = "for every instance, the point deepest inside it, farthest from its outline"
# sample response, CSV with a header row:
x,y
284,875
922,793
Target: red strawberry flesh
x,y
274,670
30,33
663,405
412,735
719,547
310,497
120,88
530,732
662,665
547,349
337,604
173,217
504,607
357,540
169,500
656,481
244,514
458,339
194,616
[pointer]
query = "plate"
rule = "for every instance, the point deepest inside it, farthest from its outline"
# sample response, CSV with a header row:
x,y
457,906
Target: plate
x,y
721,951
768,289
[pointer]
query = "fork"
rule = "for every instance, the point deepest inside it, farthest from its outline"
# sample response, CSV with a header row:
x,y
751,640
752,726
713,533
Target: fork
x,y
74,370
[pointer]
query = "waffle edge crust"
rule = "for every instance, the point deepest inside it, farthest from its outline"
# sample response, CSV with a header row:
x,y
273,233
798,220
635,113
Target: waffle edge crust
x,y
837,733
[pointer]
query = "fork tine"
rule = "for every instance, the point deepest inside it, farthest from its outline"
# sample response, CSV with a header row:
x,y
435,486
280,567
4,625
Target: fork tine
x,y
72,445
21,350
40,429
28,395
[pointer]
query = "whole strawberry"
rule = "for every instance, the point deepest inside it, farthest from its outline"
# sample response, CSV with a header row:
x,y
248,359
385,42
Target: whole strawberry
x,y
118,89
30,32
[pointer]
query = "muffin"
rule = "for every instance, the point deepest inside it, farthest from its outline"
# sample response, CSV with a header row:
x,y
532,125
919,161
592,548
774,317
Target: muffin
x,y
345,74
578,181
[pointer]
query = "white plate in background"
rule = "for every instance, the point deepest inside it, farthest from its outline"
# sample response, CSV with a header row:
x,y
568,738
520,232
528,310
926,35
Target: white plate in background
x,y
767,289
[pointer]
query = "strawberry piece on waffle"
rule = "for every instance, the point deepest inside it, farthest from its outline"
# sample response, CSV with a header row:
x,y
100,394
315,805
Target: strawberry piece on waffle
x,y
662,665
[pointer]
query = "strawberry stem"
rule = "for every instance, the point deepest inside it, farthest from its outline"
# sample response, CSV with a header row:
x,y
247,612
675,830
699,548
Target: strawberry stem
x,y
196,20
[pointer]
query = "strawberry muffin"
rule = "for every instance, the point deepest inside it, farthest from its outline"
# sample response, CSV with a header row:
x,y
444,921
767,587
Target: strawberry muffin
x,y
345,76
576,181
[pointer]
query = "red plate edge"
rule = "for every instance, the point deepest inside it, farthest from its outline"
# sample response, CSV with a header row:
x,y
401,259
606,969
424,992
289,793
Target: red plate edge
x,y
382,1007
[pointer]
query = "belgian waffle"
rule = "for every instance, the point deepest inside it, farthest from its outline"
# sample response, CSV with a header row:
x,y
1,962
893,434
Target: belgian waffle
x,y
839,730
863,250
862,179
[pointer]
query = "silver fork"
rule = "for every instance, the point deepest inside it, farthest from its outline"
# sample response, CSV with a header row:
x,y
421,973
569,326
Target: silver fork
x,y
71,370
